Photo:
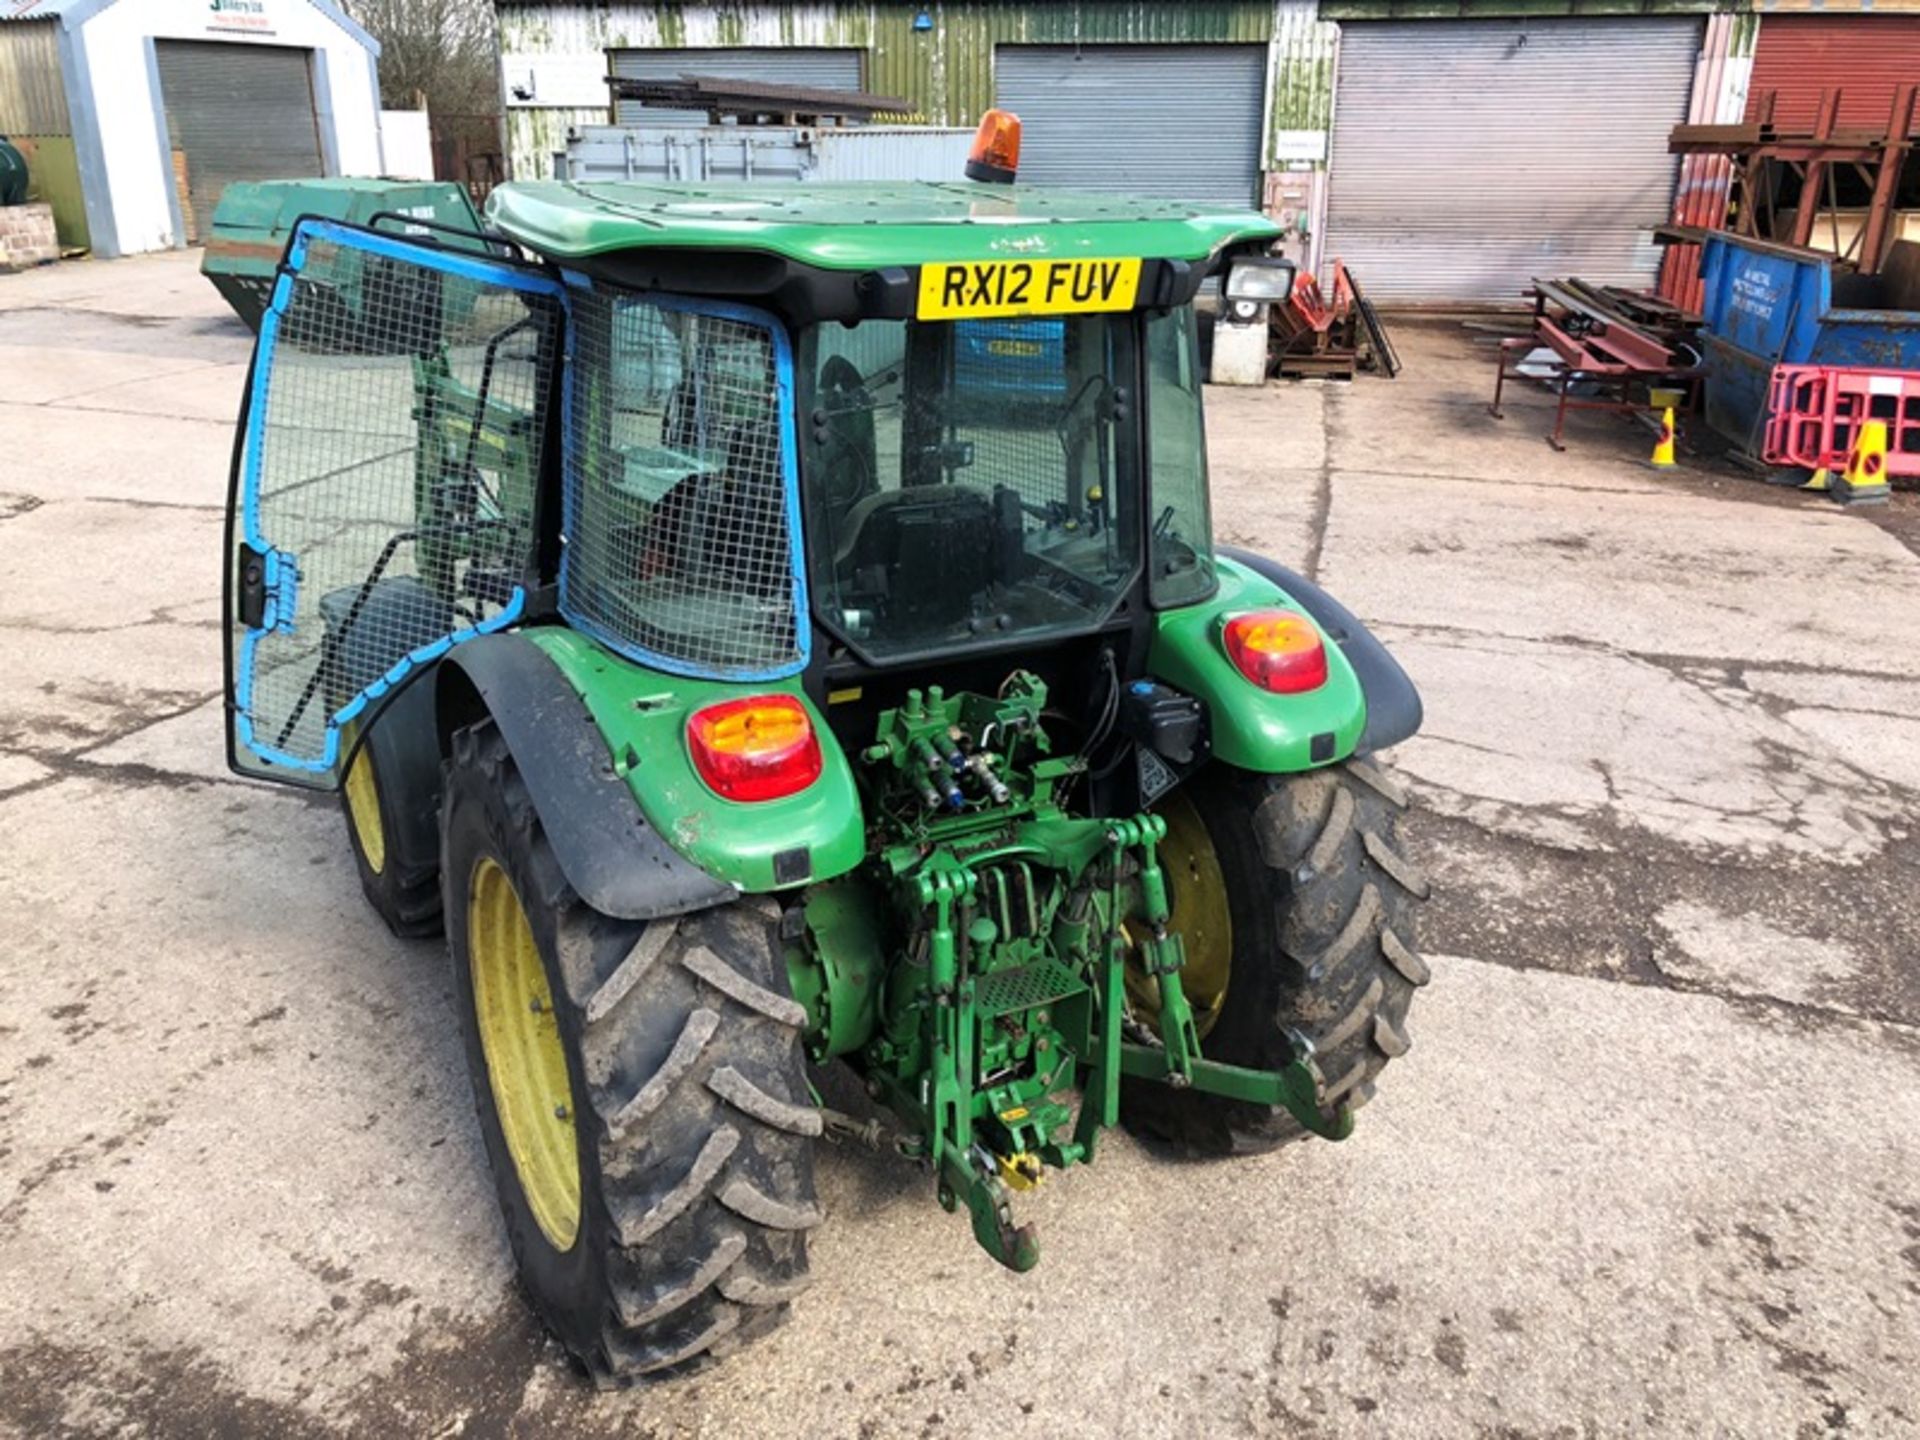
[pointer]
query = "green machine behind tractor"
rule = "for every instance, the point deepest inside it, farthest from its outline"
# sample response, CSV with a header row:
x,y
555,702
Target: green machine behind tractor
x,y
770,626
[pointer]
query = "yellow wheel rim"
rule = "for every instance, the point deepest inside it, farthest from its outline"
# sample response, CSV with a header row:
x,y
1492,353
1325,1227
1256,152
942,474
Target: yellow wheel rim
x,y
363,809
1198,913
526,1063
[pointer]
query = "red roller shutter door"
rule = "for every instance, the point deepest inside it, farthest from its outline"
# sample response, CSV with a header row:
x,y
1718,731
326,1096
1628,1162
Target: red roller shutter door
x,y
1862,56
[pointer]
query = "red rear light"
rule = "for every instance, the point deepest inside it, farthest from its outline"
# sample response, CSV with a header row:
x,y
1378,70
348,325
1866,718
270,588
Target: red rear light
x,y
996,148
759,748
1277,650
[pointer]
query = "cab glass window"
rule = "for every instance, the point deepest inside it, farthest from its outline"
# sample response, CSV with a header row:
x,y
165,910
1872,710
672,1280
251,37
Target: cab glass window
x,y
971,481
1180,544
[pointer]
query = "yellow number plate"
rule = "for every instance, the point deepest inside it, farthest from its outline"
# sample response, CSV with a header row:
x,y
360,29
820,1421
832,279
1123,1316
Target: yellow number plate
x,y
984,289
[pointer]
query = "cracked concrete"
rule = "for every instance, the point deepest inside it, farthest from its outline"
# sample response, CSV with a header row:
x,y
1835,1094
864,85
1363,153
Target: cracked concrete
x,y
1570,735
1709,949
1649,1168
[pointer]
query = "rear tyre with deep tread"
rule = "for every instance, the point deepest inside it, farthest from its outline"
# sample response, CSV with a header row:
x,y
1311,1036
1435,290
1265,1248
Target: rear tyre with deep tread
x,y
694,1125
1322,899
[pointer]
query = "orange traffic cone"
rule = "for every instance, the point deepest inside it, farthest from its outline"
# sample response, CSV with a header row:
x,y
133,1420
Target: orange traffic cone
x,y
1865,478
1663,447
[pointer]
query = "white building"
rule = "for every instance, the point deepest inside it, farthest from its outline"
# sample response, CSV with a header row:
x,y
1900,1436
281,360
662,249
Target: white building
x,y
142,111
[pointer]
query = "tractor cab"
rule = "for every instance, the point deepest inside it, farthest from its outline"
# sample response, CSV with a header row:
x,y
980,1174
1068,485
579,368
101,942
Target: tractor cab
x,y
897,428
970,437
829,432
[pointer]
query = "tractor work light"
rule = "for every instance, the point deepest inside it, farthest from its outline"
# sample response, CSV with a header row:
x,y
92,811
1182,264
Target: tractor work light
x,y
1256,280
759,748
1278,650
995,155
1264,279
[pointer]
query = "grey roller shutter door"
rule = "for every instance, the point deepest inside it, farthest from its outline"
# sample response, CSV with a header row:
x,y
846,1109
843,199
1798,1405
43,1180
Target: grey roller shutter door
x,y
236,112
821,69
1471,155
1181,121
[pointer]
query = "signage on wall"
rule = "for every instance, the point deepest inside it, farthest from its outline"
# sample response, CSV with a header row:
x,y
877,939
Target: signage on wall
x,y
1299,145
239,17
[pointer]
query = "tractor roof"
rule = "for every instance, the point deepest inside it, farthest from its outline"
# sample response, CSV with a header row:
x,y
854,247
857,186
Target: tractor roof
x,y
864,226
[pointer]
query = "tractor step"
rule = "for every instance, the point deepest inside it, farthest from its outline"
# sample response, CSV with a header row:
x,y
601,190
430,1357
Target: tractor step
x,y
1005,992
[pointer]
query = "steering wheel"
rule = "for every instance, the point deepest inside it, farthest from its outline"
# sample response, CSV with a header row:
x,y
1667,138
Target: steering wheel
x,y
849,457
1095,387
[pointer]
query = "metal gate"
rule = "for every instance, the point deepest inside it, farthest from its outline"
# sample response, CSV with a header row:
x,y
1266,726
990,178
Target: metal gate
x,y
235,112
821,69
1471,155
706,154
1183,121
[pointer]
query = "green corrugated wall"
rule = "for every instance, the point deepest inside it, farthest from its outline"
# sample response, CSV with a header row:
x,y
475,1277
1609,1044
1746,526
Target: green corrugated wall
x,y
53,175
33,114
946,71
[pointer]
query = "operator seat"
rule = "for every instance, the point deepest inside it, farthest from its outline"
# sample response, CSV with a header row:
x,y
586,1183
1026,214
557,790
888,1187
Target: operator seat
x,y
924,552
724,531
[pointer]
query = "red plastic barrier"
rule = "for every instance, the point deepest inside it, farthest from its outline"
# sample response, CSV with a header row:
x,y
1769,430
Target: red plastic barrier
x,y
1813,411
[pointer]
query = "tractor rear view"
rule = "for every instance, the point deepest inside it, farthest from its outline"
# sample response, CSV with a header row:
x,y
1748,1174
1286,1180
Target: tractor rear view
x,y
767,627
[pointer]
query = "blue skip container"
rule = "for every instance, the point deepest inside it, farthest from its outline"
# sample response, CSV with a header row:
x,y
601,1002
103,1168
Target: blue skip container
x,y
1768,305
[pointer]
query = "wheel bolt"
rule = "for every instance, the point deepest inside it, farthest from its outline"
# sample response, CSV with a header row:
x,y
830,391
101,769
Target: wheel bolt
x,y
559,1112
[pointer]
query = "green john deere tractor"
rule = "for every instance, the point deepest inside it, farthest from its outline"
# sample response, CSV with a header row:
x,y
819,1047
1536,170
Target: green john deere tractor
x,y
774,625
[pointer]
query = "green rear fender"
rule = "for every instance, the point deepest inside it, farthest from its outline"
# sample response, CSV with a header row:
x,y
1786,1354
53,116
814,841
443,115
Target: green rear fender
x,y
1254,728
643,714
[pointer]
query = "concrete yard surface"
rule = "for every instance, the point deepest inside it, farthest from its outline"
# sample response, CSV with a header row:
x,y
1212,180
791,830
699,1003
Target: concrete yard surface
x,y
1650,1167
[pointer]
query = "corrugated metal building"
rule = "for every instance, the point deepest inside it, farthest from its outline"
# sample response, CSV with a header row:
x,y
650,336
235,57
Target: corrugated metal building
x,y
1448,149
1145,73
135,114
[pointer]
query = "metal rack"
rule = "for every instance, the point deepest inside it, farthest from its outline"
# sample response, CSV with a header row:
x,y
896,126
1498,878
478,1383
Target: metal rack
x,y
1616,343
1878,156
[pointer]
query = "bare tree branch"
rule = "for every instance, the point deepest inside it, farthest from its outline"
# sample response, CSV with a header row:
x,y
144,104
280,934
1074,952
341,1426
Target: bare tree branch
x,y
440,49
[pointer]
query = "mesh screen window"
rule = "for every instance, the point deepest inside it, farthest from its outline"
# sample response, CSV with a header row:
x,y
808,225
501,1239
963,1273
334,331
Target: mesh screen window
x,y
392,453
679,534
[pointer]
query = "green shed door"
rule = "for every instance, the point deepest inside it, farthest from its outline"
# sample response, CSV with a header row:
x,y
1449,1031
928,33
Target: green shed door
x,y
1181,121
235,112
822,69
